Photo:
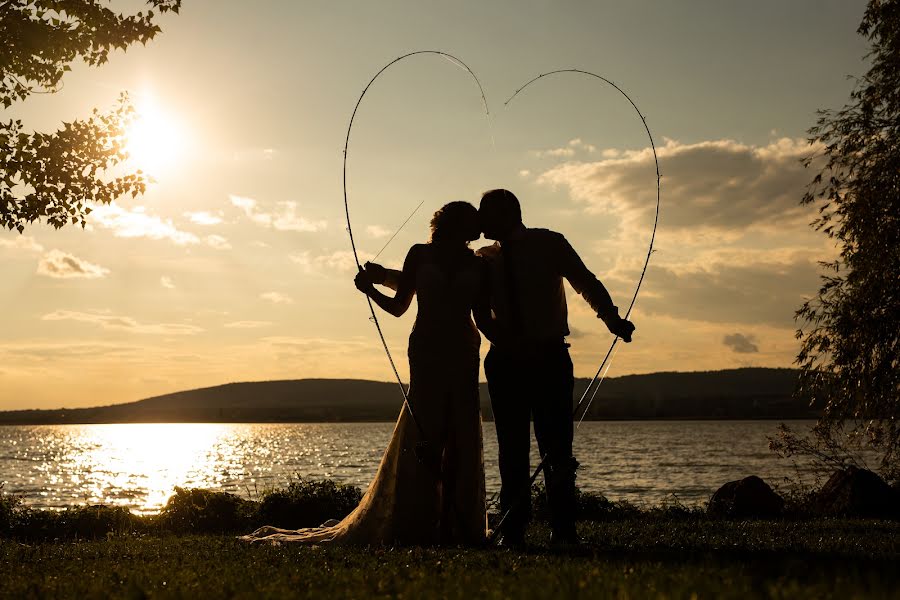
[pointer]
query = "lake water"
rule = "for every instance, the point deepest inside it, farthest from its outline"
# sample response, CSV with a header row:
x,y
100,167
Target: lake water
x,y
138,465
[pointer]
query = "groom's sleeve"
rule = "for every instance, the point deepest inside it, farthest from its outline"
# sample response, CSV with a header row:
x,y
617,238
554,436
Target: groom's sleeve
x,y
586,283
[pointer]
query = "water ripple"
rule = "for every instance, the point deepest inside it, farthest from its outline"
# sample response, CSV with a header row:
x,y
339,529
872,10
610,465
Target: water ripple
x,y
139,465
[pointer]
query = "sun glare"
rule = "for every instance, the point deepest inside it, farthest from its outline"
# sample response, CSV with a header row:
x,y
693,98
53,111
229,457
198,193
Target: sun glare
x,y
154,140
139,465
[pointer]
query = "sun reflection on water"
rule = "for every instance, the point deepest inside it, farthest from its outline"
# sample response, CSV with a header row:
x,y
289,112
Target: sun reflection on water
x,y
152,457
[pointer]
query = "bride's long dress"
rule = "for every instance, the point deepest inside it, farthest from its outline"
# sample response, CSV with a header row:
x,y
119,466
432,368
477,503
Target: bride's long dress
x,y
437,497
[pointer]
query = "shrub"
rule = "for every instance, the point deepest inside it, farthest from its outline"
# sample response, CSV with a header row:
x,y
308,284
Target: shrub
x,y
205,511
307,503
9,506
589,506
88,522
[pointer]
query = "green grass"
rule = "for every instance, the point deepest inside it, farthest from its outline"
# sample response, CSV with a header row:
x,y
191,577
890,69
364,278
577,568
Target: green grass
x,y
644,557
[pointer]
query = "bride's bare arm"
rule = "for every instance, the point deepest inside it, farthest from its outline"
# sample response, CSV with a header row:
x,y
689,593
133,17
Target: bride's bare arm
x,y
399,303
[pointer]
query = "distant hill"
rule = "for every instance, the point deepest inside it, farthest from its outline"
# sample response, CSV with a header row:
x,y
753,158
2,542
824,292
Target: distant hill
x,y
751,393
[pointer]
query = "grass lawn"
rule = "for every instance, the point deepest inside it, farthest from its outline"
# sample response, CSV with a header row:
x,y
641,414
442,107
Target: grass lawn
x,y
640,558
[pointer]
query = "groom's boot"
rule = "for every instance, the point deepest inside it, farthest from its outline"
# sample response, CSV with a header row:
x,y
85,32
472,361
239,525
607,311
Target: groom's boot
x,y
518,507
561,496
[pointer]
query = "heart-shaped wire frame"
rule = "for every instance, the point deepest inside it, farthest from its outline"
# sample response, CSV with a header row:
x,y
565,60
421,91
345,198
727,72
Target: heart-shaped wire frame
x,y
606,362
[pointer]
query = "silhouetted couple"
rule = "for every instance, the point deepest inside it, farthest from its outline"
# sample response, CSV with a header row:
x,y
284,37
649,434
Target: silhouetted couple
x,y
430,488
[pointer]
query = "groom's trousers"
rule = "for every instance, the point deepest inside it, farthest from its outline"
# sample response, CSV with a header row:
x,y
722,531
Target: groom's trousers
x,y
537,382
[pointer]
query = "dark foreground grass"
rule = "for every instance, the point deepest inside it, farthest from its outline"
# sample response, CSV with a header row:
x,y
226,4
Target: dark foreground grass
x,y
637,558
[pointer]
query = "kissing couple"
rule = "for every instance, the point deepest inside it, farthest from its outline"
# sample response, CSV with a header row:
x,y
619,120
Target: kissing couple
x,y
429,488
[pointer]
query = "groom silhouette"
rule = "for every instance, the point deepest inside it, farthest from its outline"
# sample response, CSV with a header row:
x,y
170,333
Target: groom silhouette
x,y
528,368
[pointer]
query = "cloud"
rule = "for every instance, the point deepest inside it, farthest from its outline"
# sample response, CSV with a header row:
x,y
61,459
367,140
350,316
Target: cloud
x,y
167,283
751,293
740,343
276,298
711,184
573,147
581,145
247,324
56,351
303,259
564,152
284,219
217,242
136,223
204,218
21,242
61,265
341,261
118,323
316,351
377,231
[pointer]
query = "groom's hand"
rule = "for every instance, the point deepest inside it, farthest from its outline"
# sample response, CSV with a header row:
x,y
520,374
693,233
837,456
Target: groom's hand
x,y
623,328
377,273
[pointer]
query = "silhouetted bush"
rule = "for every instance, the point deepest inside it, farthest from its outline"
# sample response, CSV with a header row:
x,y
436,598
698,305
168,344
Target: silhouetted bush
x,y
589,506
307,503
9,506
81,522
205,511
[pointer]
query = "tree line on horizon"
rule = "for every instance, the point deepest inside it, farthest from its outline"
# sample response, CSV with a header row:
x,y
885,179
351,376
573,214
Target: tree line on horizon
x,y
751,393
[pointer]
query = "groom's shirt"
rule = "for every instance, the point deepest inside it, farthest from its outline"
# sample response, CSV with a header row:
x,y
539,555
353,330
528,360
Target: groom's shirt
x,y
527,293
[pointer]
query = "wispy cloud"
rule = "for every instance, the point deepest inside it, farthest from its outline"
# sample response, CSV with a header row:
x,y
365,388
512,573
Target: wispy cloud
x,y
20,242
167,282
564,152
341,261
62,265
579,144
247,324
276,298
284,218
137,223
217,242
37,351
568,151
377,231
121,323
204,218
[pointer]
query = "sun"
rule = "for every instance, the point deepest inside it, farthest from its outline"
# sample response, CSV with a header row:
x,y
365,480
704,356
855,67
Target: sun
x,y
154,140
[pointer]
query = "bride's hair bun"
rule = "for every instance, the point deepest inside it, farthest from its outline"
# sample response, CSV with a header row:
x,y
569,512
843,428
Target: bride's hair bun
x,y
455,222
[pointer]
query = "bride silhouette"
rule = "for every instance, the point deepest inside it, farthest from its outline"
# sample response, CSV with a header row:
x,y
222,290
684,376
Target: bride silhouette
x,y
429,488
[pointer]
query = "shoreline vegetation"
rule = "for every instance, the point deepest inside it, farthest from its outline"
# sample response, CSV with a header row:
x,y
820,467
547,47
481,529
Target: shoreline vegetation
x,y
669,550
748,393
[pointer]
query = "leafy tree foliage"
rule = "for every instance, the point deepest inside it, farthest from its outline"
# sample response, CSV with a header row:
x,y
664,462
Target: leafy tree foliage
x,y
58,175
850,331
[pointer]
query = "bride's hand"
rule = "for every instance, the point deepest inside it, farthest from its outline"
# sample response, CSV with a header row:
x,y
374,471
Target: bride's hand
x,y
363,283
376,273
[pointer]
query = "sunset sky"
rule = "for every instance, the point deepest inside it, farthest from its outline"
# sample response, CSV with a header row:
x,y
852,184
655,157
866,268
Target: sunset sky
x,y
236,265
